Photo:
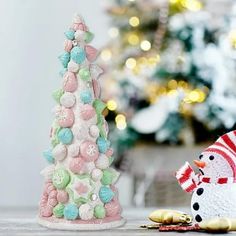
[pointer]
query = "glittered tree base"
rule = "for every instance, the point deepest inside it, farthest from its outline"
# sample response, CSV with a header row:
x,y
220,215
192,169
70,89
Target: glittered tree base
x,y
96,224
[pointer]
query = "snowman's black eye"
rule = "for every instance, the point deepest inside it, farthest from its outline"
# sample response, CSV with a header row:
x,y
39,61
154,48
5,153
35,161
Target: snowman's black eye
x,y
200,157
211,158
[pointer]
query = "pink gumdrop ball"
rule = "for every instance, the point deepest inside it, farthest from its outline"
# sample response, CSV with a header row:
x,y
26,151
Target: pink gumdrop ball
x,y
68,45
87,112
112,208
109,152
77,165
52,202
79,26
46,211
91,53
65,117
70,82
62,196
89,151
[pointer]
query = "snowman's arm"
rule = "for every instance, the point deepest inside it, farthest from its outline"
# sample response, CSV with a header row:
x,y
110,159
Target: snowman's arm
x,y
187,178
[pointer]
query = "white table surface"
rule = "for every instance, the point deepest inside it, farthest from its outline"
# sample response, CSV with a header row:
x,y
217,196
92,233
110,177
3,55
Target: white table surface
x,y
23,222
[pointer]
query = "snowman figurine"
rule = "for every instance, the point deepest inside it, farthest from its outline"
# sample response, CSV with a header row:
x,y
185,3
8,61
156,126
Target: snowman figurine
x,y
214,188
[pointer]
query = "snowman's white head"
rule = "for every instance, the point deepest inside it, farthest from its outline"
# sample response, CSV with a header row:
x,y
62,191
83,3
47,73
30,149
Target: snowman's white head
x,y
213,165
219,159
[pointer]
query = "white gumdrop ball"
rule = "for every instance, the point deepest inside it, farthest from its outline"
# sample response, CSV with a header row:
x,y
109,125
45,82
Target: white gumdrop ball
x,y
79,35
102,162
67,100
78,19
90,167
86,212
96,174
80,131
47,172
94,131
73,67
73,150
59,152
56,110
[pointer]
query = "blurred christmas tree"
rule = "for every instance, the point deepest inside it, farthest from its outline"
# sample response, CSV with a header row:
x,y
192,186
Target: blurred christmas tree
x,y
170,71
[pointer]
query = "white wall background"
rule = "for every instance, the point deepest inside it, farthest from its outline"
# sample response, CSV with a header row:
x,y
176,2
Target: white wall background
x,y
31,38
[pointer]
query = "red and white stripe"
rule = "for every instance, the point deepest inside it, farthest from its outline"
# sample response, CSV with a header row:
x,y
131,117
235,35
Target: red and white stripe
x,y
229,140
222,180
186,178
225,146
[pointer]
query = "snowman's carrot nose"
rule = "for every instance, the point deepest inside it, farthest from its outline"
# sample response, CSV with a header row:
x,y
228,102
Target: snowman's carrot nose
x,y
200,164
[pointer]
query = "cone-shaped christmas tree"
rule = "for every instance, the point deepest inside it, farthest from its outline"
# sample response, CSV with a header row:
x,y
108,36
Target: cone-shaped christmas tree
x,y
79,190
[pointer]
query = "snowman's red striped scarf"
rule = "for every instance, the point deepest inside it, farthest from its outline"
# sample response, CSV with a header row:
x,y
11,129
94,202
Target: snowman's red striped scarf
x,y
189,181
186,177
222,180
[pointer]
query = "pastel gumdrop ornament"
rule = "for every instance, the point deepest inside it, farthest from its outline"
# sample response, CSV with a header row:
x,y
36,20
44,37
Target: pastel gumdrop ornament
x,y
70,34
79,35
78,54
109,177
70,82
109,152
74,149
89,151
99,211
103,144
79,26
106,194
64,58
94,131
96,174
48,156
68,45
71,212
84,74
78,165
86,96
65,136
73,67
59,152
65,117
61,178
62,196
58,210
87,112
86,212
88,37
102,162
91,53
112,208
67,100
57,95
81,131
47,173
75,26
78,19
